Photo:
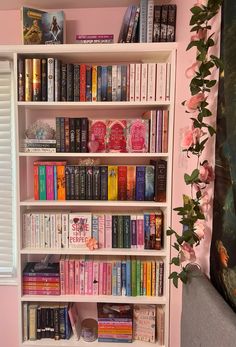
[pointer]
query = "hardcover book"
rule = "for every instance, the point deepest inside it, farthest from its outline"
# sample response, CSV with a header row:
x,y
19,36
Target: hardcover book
x,y
116,135
97,132
79,229
137,135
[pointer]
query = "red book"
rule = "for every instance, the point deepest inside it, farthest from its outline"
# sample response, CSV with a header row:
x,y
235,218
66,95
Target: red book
x,y
116,136
98,131
138,135
36,182
122,182
82,86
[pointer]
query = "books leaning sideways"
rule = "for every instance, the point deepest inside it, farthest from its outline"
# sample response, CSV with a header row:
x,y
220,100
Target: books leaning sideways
x,y
106,38
41,280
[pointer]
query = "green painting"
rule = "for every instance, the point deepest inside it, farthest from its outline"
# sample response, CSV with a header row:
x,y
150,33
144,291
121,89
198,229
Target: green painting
x,y
223,246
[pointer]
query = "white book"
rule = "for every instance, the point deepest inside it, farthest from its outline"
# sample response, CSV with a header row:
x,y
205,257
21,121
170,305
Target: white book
x,y
37,230
47,230
144,81
58,236
161,82
53,230
168,80
65,230
150,16
42,236
25,322
131,81
32,230
114,82
50,79
151,87
137,82
79,229
108,231
26,230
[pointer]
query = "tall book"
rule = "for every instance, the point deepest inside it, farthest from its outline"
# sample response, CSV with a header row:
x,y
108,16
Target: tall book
x,y
160,179
36,85
28,79
112,182
50,78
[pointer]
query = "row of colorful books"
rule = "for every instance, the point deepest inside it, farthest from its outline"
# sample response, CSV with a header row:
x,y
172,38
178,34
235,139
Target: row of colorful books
x,y
129,276
58,181
61,230
48,79
114,322
148,23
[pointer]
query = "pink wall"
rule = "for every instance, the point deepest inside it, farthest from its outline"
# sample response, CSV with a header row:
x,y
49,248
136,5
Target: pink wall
x,y
105,19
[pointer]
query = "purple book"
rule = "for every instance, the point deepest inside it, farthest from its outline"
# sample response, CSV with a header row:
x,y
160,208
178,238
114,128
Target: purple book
x,y
159,131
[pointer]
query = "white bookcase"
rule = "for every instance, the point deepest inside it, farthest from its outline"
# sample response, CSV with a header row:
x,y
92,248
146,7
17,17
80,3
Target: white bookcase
x,y
26,112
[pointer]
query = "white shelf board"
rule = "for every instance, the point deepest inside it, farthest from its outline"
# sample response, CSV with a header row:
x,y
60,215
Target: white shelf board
x,y
74,343
94,203
157,300
104,252
88,105
95,155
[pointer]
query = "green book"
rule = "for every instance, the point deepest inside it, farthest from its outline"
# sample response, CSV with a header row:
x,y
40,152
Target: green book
x,y
138,277
120,228
42,182
134,277
126,224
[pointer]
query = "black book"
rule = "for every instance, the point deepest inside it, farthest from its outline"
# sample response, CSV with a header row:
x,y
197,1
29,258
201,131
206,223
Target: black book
x,y
76,82
57,67
164,23
62,127
48,322
77,183
126,229
89,182
84,135
171,23
56,322
114,231
88,83
157,23
39,322
63,82
99,83
77,135
21,79
70,82
72,134
70,182
44,89
43,322
68,185
123,82
160,179
82,180
104,180
58,134
96,183
51,323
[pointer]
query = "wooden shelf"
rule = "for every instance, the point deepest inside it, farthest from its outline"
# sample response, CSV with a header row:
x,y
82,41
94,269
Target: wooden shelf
x,y
95,155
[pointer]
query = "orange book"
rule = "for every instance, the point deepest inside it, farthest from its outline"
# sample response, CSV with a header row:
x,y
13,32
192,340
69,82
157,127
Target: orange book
x,y
153,278
61,187
131,182
165,131
36,182
149,278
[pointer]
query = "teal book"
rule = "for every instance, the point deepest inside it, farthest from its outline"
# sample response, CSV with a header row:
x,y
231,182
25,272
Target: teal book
x,y
42,182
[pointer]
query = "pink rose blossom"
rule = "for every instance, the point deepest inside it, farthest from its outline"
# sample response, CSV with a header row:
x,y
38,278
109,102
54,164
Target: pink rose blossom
x,y
187,253
191,137
205,202
191,71
199,35
194,102
206,173
199,227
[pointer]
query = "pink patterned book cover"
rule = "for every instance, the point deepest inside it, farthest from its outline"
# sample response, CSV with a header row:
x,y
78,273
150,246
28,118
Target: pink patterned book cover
x,y
116,136
138,135
90,278
95,278
50,182
109,277
81,277
98,130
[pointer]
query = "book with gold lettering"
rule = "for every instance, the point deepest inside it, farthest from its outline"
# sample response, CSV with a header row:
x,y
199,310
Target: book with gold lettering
x,y
112,182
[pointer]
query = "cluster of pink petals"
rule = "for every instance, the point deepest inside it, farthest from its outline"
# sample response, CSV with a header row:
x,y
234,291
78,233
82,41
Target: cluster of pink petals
x,y
205,202
92,243
195,101
191,137
187,253
199,35
191,71
201,3
199,229
206,173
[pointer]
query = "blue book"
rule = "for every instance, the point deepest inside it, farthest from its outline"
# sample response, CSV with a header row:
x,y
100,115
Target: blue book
x,y
147,231
114,279
95,227
140,183
104,83
149,183
68,329
55,182
123,277
118,277
128,277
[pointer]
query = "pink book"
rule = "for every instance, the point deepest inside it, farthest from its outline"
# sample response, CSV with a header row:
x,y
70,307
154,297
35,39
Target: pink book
x,y
109,278
66,274
81,277
90,278
62,274
140,231
44,279
101,231
86,277
77,276
100,282
50,182
138,135
98,129
108,231
95,277
71,276
104,279
41,292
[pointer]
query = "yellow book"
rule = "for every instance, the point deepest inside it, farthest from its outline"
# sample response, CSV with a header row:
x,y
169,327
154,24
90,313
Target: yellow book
x,y
112,182
153,278
94,83
149,278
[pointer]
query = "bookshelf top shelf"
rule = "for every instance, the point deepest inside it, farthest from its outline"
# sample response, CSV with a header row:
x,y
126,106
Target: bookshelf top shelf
x,y
95,155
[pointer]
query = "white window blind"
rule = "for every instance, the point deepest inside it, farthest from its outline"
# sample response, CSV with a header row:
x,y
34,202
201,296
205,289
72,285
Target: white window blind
x,y
7,176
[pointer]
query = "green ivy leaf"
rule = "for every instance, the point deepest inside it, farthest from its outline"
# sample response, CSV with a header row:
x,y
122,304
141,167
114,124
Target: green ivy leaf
x,y
206,112
196,10
173,274
211,83
183,276
175,281
170,232
211,130
175,261
176,246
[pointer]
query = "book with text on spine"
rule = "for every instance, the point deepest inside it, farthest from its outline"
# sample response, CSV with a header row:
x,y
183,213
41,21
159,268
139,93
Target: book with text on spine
x,y
79,229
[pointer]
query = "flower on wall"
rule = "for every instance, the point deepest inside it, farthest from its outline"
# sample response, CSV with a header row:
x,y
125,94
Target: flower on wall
x,y
195,209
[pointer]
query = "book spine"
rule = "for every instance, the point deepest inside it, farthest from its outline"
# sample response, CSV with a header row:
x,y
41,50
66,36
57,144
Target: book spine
x,y
76,82
82,277
134,277
67,183
150,15
109,279
67,134
149,183
61,191
32,322
161,279
104,81
44,74
89,182
171,26
57,80
99,83
123,277
128,277
143,21
140,231
100,282
77,275
123,82
165,131
77,183
144,81
149,278
71,276
153,291
114,82
82,89
52,230
140,183
82,180
77,135
42,182
21,79
63,82
131,182
70,82
65,230
159,230
94,83
104,183
28,79
112,182
108,231
159,128
36,79
88,96
147,231
160,180
96,183
95,277
109,83
104,279
164,23
49,182
95,222
168,80
126,229
157,23
50,79
101,231
131,82
151,91
36,182
133,219
72,135
114,231
138,277
137,82
84,135
118,278
122,182
120,241
118,85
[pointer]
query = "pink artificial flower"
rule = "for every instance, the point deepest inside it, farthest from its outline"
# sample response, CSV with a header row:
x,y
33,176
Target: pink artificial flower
x,y
191,71
199,35
92,243
201,3
206,173
192,137
194,102
205,202
187,253
199,229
